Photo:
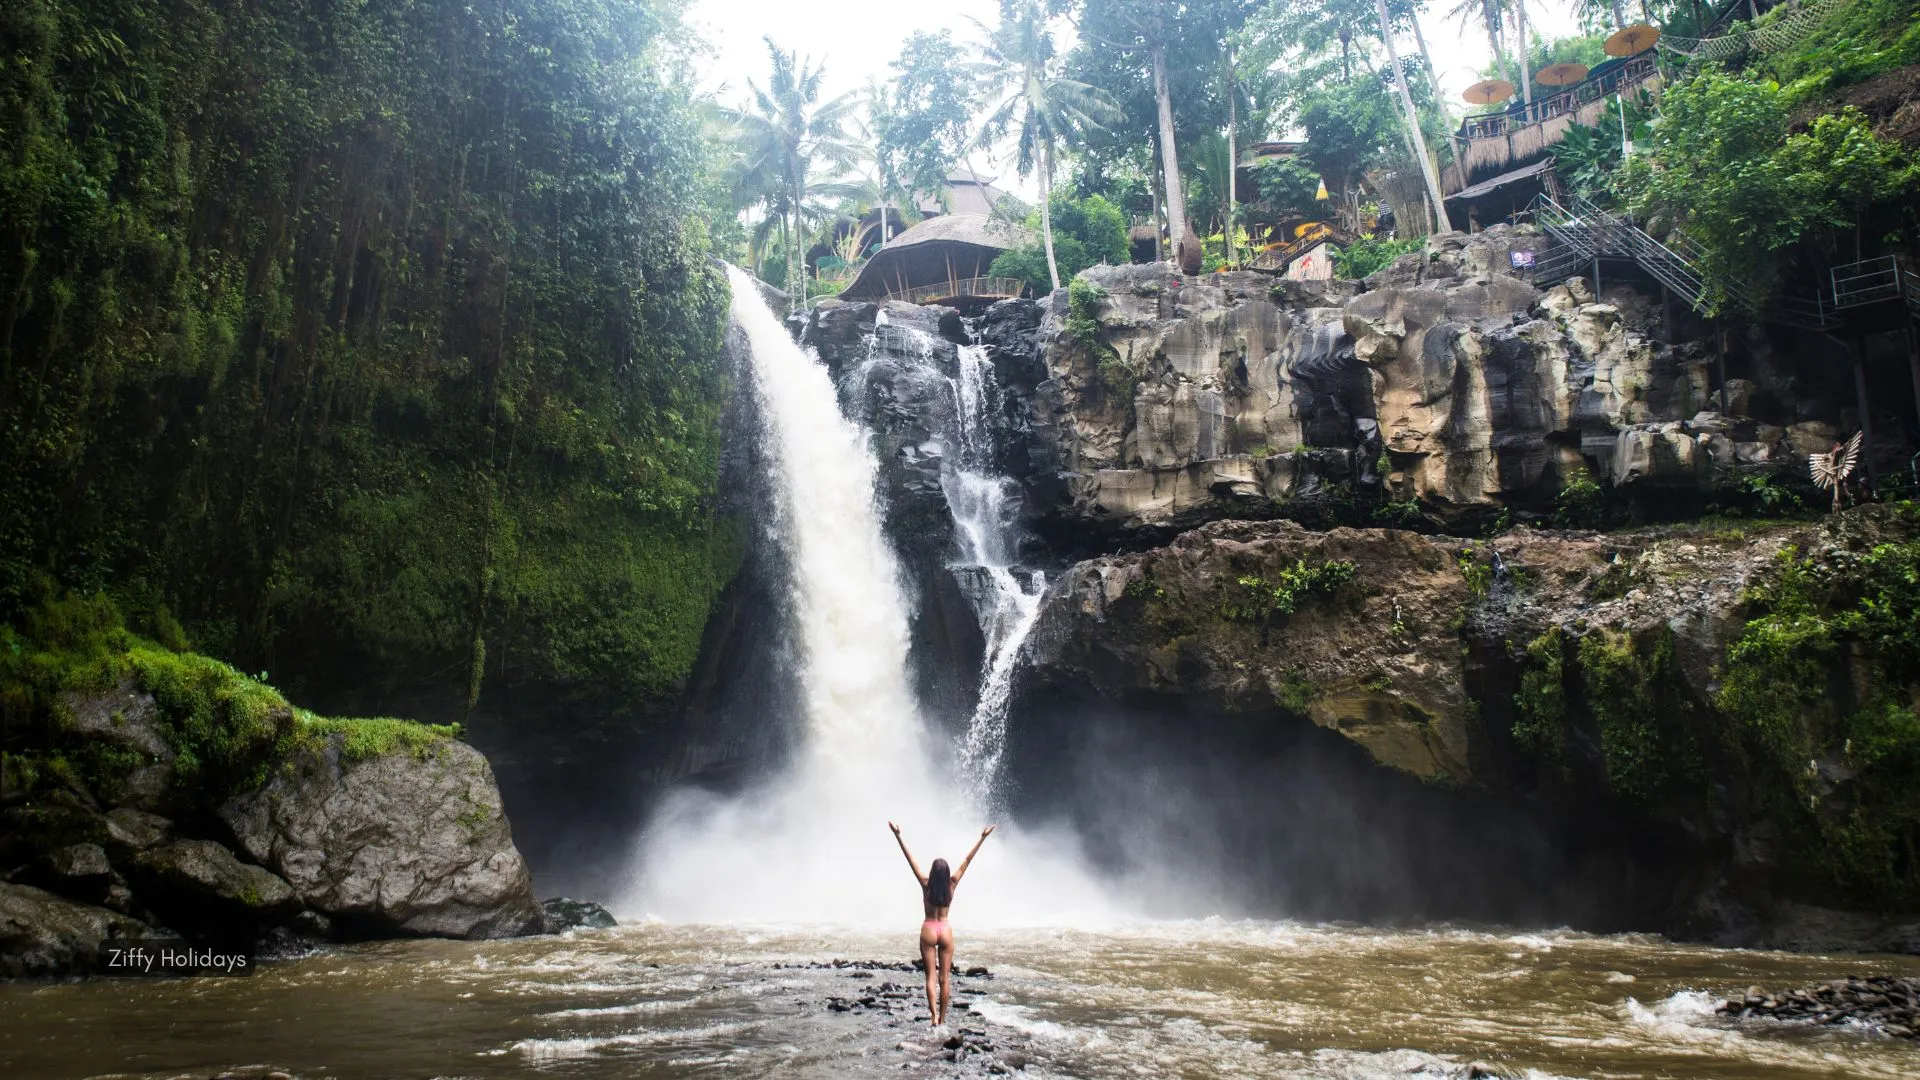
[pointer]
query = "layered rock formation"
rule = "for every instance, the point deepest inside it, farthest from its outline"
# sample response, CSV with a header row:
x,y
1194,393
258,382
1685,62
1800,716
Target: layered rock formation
x,y
1163,401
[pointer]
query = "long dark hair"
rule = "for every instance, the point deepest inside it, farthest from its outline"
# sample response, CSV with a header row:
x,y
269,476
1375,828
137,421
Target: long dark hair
x,y
939,884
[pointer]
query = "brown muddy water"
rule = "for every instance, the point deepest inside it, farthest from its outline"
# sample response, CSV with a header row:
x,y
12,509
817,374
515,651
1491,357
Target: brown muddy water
x,y
1208,998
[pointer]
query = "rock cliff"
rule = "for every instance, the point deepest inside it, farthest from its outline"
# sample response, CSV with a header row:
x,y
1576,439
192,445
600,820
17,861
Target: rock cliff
x,y
1158,401
1638,676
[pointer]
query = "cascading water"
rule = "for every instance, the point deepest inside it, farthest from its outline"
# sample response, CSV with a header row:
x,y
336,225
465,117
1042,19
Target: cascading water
x,y
812,845
983,509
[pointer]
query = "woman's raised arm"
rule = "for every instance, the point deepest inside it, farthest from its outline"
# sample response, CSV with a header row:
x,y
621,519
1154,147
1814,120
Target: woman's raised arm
x,y
922,878
968,861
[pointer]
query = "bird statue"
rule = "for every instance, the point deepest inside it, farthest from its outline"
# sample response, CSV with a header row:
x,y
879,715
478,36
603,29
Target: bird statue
x,y
1831,469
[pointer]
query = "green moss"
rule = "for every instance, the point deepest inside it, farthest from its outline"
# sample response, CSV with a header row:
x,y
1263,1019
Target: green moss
x,y
1541,705
1478,574
1296,693
1256,599
1816,631
355,386
474,818
226,728
364,739
1624,688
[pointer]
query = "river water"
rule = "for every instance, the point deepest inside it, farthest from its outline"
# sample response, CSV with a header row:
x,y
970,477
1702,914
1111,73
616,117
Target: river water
x,y
1175,999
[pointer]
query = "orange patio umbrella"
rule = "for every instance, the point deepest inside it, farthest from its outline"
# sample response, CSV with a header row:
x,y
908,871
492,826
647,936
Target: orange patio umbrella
x,y
1488,92
1631,40
1560,74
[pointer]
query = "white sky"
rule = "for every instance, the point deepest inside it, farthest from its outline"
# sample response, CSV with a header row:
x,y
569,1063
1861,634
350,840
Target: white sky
x,y
856,39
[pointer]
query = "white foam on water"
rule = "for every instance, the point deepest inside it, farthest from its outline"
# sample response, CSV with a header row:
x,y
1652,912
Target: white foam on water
x,y
1680,1016
551,1050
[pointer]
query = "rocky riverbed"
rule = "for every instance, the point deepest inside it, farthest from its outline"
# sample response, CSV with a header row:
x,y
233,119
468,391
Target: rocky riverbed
x,y
1880,1003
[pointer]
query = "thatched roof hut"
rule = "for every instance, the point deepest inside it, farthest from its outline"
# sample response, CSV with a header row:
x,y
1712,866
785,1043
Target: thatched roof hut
x,y
942,260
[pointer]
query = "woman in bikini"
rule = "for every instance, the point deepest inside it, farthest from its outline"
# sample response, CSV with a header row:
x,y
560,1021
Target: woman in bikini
x,y
936,936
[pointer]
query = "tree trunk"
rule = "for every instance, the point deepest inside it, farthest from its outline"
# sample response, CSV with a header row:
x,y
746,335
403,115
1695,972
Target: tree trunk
x,y
1491,17
1413,120
1046,209
1159,218
1233,166
1426,60
1183,252
1526,75
1619,15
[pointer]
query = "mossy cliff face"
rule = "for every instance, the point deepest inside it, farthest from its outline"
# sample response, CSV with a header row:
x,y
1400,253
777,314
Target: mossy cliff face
x,y
129,768
1255,617
1749,696
376,348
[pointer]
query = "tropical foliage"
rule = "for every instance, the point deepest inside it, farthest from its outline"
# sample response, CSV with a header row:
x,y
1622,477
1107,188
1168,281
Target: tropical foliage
x,y
793,146
1720,171
1086,232
1035,104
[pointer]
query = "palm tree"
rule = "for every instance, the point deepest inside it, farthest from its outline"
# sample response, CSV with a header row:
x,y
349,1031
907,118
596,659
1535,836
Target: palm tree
x,y
1439,206
888,185
1492,16
788,132
1031,100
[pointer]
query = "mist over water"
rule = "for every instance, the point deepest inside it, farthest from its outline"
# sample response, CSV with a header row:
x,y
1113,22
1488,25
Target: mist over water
x,y
811,845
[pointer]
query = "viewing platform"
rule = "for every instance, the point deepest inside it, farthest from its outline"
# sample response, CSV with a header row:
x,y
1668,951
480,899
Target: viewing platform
x,y
1520,134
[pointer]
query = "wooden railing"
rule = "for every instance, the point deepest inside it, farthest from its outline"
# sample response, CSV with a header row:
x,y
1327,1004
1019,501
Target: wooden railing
x,y
998,288
1518,134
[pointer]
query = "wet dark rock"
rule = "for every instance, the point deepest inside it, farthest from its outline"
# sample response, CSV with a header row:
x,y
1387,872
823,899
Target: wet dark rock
x,y
199,887
130,831
564,913
126,719
43,934
79,871
397,844
1888,1005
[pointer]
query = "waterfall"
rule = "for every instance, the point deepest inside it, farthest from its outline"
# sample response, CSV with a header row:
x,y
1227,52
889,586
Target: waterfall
x,y
811,845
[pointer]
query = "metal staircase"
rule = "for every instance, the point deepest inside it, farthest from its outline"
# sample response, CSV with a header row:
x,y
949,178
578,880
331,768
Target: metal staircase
x,y
1585,232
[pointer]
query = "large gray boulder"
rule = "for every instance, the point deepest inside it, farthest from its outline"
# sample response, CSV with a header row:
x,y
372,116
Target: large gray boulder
x,y
41,934
401,843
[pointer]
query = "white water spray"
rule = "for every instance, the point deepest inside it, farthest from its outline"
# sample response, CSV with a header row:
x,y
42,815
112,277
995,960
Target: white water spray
x,y
812,846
